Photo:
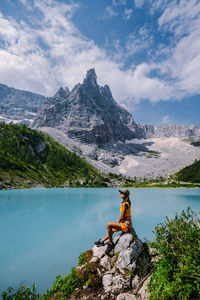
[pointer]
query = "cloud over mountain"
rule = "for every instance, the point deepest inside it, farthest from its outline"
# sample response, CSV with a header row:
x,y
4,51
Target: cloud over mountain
x,y
44,49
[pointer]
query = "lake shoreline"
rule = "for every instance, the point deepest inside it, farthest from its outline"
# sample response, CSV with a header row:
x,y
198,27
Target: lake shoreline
x,y
152,186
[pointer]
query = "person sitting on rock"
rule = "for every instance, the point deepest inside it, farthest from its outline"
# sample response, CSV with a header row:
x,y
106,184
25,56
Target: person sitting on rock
x,y
124,223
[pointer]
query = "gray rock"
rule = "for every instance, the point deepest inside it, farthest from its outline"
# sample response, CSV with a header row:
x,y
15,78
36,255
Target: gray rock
x,y
120,283
127,258
107,282
115,284
136,249
124,241
105,263
126,296
135,281
116,275
94,259
124,259
99,251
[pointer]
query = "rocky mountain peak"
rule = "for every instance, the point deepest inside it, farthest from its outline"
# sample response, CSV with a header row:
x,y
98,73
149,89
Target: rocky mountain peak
x,y
91,78
63,93
90,116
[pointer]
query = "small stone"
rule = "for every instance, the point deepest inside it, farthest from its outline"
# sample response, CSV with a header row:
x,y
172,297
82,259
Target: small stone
x,y
99,272
135,281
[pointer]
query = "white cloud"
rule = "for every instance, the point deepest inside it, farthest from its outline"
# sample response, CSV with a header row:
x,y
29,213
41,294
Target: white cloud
x,y
118,2
183,21
179,18
139,43
25,3
158,5
139,3
67,55
110,12
66,58
8,29
128,13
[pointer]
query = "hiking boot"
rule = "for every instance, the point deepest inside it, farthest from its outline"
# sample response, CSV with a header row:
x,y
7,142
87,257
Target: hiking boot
x,y
109,248
99,243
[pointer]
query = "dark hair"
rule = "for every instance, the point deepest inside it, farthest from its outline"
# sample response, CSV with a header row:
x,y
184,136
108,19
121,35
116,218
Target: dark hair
x,y
128,199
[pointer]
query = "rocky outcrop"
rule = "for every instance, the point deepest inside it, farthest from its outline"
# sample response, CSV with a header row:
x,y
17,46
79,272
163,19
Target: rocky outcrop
x,y
121,275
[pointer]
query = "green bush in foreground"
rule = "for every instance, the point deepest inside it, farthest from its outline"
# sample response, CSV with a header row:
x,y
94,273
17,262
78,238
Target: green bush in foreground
x,y
22,293
177,274
65,286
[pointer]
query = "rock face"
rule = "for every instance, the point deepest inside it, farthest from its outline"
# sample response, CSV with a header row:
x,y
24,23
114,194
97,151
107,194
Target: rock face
x,y
18,106
118,275
169,130
89,115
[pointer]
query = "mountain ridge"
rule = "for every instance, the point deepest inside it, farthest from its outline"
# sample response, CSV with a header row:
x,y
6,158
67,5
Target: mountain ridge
x,y
88,118
18,106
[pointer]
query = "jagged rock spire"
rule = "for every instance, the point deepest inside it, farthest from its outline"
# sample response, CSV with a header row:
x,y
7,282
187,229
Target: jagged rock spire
x,y
91,78
63,93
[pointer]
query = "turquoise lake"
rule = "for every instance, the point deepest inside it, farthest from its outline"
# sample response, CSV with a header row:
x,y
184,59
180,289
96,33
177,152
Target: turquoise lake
x,y
43,231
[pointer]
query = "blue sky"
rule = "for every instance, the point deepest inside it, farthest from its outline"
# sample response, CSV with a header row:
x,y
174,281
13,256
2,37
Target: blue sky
x,y
148,52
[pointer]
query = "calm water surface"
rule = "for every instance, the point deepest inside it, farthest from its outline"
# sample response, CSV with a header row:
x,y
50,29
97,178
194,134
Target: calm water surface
x,y
43,231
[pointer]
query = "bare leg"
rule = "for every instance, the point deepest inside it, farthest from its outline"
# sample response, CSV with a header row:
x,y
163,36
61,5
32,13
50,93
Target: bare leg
x,y
106,236
112,227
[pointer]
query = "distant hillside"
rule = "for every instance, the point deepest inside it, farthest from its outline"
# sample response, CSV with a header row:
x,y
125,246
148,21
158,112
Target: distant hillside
x,y
18,106
190,173
31,158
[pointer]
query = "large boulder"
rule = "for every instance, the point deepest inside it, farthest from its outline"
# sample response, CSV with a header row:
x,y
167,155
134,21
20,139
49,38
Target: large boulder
x,y
118,275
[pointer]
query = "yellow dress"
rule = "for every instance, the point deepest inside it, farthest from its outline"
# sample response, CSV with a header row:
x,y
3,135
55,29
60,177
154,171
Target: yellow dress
x,y
126,223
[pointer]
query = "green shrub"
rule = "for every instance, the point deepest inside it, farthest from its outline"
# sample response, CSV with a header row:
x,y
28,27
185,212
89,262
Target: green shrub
x,y
82,259
66,285
177,274
22,293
